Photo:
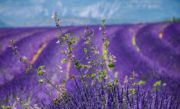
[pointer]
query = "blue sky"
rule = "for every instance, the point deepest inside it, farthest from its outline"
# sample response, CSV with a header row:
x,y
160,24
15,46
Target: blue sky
x,y
20,13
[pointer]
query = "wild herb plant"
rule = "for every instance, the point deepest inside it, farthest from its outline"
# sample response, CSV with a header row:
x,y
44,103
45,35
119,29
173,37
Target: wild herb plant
x,y
94,87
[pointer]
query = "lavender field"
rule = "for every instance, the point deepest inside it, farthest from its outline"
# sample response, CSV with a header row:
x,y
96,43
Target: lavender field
x,y
151,51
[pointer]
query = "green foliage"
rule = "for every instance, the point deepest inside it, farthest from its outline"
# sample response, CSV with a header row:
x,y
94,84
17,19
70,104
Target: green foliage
x,y
102,74
41,67
109,84
141,82
111,65
66,36
41,70
132,91
63,61
27,102
85,50
93,75
73,40
56,101
106,43
77,65
157,83
5,107
103,22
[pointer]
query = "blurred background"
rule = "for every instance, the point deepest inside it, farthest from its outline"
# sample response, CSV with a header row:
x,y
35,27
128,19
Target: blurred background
x,y
35,13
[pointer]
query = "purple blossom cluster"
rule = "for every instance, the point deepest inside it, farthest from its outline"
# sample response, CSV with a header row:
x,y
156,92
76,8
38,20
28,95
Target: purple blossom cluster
x,y
113,96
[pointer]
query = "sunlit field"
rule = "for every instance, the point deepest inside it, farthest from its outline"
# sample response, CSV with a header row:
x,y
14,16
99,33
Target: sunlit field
x,y
103,65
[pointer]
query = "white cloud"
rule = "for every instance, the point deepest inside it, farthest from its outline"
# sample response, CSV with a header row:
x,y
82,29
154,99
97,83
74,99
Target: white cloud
x,y
147,4
59,4
99,10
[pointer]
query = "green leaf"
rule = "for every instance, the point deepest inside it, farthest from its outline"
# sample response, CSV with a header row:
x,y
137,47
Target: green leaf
x,y
73,41
109,84
85,50
102,74
111,65
40,72
157,83
41,67
106,43
63,61
56,101
103,22
141,82
132,91
105,52
66,36
3,107
93,75
77,65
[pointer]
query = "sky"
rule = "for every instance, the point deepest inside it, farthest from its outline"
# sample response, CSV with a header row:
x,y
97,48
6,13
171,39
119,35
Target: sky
x,y
36,13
